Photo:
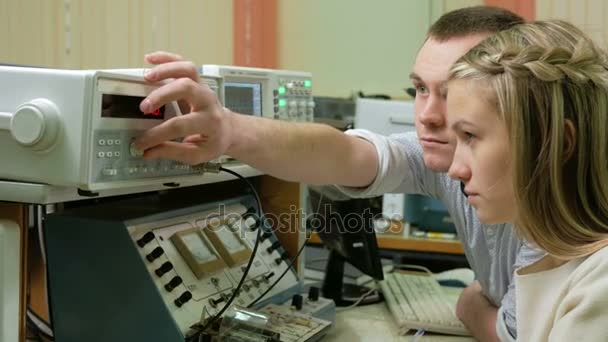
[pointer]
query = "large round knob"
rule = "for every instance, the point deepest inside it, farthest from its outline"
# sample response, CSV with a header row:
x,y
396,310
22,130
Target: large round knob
x,y
36,124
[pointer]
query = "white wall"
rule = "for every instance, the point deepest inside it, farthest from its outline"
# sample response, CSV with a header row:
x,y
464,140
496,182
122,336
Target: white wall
x,y
352,45
113,33
589,15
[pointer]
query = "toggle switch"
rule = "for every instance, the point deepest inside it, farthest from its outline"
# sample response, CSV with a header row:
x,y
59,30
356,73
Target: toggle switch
x,y
149,236
183,299
173,283
156,252
164,268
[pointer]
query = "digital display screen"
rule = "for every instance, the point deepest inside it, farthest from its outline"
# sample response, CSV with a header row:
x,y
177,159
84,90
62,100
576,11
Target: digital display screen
x,y
127,107
243,97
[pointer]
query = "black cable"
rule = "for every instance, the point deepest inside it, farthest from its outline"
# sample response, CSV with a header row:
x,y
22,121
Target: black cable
x,y
291,262
253,253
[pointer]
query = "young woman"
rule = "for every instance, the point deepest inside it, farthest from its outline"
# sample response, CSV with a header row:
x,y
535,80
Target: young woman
x,y
529,109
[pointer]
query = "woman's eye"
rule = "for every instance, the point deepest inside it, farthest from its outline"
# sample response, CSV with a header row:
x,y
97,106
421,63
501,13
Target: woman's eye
x,y
468,137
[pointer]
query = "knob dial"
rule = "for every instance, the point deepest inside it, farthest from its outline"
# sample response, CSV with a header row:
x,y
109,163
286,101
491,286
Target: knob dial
x,y
36,124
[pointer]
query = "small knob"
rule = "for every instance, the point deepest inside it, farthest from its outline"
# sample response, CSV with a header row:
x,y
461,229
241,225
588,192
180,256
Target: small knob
x,y
268,276
297,301
149,236
265,236
156,252
215,302
274,246
313,293
164,268
173,283
183,299
36,124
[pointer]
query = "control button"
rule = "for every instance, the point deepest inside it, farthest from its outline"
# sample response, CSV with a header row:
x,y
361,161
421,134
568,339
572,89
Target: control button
x,y
109,172
110,142
173,283
265,236
278,261
135,152
275,92
313,294
149,236
100,154
274,246
117,154
183,299
255,283
164,268
215,302
117,142
276,109
245,287
215,281
297,301
101,142
158,251
268,276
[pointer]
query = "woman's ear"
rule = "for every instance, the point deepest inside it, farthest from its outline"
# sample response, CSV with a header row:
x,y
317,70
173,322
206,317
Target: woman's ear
x,y
569,139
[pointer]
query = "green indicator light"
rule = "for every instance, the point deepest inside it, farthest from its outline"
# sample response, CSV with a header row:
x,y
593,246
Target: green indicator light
x,y
282,103
307,83
281,90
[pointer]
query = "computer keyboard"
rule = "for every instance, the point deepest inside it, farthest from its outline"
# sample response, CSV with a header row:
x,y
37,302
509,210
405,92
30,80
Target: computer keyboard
x,y
416,301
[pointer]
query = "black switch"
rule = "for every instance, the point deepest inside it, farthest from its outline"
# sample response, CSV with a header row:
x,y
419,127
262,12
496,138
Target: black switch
x,y
183,299
278,261
215,302
313,293
297,301
268,276
173,283
274,246
164,268
149,236
156,252
265,236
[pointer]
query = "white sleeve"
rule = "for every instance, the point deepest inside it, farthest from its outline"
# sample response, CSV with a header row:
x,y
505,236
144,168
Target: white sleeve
x,y
400,165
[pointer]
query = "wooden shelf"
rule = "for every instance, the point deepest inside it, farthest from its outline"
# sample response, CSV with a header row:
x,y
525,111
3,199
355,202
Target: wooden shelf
x,y
411,244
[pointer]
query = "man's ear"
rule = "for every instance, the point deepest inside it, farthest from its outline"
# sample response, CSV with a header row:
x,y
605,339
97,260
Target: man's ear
x,y
569,139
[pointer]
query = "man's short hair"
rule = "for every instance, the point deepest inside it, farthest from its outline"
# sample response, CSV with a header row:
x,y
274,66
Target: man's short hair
x,y
471,20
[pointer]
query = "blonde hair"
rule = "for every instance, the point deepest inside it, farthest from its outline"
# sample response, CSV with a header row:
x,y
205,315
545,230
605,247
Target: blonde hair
x,y
542,75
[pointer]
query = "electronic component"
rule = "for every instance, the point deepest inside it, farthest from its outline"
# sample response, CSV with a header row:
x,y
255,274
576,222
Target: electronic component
x,y
277,94
197,251
77,127
140,271
224,236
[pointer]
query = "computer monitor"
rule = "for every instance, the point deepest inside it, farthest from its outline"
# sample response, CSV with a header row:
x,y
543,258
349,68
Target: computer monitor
x,y
346,228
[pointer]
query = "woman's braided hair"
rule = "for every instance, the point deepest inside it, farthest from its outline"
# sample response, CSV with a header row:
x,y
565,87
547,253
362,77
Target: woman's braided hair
x,y
542,75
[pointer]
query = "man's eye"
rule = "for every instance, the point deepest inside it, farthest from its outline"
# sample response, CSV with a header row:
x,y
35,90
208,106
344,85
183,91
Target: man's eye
x,y
421,90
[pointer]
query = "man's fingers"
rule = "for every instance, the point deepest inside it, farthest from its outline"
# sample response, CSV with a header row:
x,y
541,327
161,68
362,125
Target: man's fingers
x,y
158,57
175,128
173,70
182,89
183,152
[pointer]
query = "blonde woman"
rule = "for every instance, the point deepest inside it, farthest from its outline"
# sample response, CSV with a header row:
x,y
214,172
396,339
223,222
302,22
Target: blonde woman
x,y
529,109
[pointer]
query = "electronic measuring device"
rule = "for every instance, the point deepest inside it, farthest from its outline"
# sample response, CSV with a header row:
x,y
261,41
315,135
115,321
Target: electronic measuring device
x,y
145,270
75,128
278,94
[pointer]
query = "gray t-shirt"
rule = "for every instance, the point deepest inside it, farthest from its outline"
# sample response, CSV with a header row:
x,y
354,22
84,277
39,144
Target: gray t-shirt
x,y
493,251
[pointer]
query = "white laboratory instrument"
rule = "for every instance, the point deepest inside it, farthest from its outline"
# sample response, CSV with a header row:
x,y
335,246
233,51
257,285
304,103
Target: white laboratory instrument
x,y
144,269
74,128
278,94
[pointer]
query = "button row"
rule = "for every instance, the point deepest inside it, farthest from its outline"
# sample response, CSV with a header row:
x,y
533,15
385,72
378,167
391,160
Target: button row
x,y
108,154
108,142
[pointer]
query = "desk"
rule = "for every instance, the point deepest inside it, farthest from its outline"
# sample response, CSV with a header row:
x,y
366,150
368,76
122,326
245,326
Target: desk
x,y
396,242
375,323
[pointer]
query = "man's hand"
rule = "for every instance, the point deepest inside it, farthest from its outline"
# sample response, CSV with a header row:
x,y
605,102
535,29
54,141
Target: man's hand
x,y
205,126
477,313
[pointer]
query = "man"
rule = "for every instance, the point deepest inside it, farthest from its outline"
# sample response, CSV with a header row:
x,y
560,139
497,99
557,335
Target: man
x,y
319,154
